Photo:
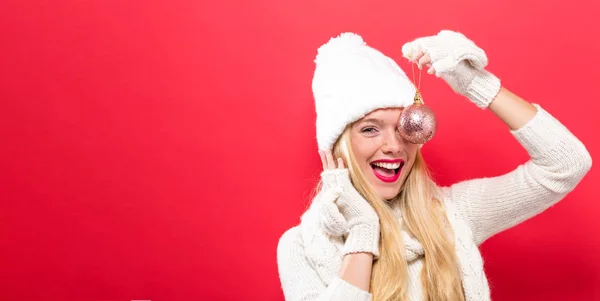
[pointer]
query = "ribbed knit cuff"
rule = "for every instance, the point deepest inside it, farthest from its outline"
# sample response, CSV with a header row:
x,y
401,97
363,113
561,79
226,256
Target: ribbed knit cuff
x,y
483,89
339,289
363,238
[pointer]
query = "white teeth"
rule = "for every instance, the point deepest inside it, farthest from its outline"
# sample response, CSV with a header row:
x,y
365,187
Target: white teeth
x,y
387,165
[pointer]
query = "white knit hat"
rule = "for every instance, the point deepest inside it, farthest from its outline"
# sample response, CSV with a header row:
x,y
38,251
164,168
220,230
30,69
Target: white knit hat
x,y
352,79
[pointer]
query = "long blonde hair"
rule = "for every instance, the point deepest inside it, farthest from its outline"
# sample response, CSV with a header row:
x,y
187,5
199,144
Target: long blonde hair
x,y
423,215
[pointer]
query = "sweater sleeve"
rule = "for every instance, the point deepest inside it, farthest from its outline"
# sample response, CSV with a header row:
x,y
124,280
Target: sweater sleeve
x,y
300,281
558,161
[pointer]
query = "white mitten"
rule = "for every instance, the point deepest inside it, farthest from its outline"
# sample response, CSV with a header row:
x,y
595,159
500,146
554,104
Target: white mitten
x,y
344,210
458,61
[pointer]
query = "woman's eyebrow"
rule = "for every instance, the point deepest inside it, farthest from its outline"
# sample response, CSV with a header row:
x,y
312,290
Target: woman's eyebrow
x,y
374,120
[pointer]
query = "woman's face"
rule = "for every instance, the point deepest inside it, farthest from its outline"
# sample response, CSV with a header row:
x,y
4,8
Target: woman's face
x,y
375,140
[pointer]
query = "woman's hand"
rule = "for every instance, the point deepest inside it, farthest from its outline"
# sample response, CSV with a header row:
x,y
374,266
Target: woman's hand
x,y
344,210
456,59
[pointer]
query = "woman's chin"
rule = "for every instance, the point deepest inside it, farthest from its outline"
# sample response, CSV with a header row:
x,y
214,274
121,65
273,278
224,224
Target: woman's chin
x,y
385,190
388,193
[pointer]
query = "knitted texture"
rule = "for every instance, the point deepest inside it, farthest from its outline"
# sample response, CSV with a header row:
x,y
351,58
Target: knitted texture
x,y
458,61
309,258
352,79
345,211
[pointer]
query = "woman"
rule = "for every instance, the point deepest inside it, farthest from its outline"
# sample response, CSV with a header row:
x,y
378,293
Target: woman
x,y
379,228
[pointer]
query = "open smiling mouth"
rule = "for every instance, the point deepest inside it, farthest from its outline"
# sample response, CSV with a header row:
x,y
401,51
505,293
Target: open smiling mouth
x,y
386,172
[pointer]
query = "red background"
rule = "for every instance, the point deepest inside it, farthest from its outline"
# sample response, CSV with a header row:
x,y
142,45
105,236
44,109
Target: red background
x,y
158,149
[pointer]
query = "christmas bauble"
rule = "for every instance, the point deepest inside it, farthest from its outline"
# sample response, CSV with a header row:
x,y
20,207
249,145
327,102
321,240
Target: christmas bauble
x,y
417,123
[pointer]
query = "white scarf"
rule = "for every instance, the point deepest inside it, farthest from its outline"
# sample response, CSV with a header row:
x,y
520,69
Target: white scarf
x,y
324,251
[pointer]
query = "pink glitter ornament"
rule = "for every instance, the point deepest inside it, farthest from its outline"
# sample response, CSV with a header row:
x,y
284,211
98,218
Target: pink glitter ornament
x,y
418,123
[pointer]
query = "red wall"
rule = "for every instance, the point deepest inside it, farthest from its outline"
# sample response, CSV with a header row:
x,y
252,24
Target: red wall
x,y
158,149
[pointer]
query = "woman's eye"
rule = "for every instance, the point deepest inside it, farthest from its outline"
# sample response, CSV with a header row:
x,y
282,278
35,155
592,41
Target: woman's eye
x,y
368,130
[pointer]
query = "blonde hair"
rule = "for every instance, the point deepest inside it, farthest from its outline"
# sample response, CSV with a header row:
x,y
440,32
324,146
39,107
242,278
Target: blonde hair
x,y
424,216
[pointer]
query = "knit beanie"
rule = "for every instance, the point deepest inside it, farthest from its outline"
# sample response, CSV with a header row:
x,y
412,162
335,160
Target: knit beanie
x,y
352,79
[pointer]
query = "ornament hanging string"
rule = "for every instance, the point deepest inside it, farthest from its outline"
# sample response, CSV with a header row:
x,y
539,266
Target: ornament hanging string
x,y
418,99
418,122
412,66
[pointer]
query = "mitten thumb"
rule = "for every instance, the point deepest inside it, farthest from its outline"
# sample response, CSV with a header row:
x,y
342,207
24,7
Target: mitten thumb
x,y
330,218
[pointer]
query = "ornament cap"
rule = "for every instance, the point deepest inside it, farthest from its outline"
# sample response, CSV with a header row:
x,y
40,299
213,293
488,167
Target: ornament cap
x,y
418,99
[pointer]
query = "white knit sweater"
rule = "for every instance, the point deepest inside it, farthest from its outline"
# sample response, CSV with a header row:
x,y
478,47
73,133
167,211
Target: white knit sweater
x,y
309,259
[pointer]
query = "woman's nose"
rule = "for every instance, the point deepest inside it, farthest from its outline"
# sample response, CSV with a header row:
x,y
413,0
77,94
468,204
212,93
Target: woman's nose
x,y
393,143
